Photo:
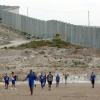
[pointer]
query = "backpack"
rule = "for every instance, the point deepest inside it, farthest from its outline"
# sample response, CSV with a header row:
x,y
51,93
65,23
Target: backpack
x,y
57,78
41,77
6,78
50,77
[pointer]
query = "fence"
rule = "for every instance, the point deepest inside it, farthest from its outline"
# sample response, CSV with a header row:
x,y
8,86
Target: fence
x,y
80,35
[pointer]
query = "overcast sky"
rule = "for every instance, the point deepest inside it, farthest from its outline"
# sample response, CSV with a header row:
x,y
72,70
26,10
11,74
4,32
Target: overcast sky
x,y
71,11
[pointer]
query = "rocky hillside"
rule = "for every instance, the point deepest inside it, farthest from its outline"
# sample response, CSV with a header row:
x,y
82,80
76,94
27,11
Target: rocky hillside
x,y
7,35
49,57
45,56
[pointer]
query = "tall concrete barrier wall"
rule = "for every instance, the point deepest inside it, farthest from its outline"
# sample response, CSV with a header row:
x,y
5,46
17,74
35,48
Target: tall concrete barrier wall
x,y
80,35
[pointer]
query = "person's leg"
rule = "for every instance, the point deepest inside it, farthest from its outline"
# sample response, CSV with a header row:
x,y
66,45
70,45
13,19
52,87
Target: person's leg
x,y
7,85
41,84
31,89
49,86
93,84
44,83
12,85
65,81
35,84
56,84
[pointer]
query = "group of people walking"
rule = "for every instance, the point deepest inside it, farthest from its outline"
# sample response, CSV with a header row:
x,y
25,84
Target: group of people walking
x,y
42,78
32,77
49,78
11,78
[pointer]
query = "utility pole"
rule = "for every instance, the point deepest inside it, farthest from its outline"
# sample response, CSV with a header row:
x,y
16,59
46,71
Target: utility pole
x,y
27,11
88,18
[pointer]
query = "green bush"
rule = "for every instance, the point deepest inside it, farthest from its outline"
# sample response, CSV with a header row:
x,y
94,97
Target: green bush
x,y
56,42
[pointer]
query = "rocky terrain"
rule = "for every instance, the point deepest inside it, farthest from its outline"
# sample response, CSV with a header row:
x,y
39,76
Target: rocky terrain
x,y
45,58
8,35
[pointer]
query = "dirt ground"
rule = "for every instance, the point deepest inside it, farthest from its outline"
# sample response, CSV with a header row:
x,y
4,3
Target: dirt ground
x,y
64,92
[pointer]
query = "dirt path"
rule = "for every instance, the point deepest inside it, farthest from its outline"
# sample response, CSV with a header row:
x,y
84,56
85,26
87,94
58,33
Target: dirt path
x,y
15,43
68,92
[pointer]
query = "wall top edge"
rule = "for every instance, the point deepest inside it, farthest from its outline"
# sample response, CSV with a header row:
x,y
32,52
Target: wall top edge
x,y
7,7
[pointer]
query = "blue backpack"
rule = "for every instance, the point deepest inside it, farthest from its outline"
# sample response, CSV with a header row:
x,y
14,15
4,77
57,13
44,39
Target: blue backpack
x,y
57,78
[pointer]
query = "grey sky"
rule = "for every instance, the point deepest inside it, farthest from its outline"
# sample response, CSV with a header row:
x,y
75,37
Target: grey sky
x,y
73,11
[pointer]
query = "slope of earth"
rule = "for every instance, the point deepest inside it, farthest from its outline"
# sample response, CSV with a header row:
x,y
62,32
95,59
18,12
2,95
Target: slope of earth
x,y
46,59
82,60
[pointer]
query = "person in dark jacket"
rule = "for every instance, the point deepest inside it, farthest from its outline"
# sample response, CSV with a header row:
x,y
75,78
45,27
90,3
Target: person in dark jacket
x,y
66,77
13,79
49,80
92,79
42,79
6,80
57,80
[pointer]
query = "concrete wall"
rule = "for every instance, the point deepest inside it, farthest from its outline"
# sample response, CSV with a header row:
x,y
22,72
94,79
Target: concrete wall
x,y
81,35
13,9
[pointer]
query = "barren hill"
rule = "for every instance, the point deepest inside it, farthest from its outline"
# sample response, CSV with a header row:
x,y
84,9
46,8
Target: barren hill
x,y
44,58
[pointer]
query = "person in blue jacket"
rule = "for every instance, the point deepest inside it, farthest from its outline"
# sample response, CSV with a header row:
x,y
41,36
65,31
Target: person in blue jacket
x,y
6,80
92,79
57,80
45,77
42,78
31,78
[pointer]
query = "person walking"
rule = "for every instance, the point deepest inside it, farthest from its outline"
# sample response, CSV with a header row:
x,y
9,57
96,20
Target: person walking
x,y
49,80
92,79
57,80
42,80
66,77
6,80
13,79
31,78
